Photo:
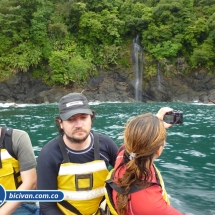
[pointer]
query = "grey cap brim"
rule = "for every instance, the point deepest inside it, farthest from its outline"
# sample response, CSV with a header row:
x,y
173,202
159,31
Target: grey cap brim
x,y
65,116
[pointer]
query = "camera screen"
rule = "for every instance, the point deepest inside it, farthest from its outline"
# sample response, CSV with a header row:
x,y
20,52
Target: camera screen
x,y
168,118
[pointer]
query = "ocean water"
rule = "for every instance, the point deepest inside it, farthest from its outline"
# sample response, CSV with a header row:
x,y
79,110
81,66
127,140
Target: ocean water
x,y
187,163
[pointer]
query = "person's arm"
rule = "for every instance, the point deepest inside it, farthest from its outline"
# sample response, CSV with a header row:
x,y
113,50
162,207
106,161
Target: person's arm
x,y
23,150
47,171
160,114
28,183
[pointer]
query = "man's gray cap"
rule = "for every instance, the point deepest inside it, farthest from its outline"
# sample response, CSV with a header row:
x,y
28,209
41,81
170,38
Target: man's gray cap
x,y
73,103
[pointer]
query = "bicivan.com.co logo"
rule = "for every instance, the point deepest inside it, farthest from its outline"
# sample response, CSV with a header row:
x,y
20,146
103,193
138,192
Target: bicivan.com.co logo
x,y
30,195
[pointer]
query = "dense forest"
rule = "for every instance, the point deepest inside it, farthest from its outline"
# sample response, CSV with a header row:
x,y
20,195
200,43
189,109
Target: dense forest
x,y
67,41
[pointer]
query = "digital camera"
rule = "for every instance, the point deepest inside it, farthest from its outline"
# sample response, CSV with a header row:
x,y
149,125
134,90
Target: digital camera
x,y
174,117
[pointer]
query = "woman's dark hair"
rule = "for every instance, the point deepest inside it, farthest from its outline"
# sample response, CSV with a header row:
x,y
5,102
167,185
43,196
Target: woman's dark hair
x,y
143,135
58,120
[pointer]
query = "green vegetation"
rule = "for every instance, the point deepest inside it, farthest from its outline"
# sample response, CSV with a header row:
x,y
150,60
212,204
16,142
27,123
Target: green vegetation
x,y
67,41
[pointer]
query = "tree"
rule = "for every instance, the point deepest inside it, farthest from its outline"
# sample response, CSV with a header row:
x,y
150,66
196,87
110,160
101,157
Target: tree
x,y
16,50
203,55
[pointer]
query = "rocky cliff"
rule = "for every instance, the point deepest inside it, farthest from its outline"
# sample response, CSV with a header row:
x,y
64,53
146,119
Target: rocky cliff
x,y
111,86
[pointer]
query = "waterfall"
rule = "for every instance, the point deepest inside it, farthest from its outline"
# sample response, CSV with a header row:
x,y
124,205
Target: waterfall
x,y
158,77
159,87
138,68
158,82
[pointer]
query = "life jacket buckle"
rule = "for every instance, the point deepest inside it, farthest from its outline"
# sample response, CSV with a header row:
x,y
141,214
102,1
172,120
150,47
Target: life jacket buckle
x,y
84,182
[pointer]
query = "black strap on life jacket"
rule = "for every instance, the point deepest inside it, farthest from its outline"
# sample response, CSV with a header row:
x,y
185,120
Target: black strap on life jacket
x,y
61,144
63,149
96,146
70,207
6,142
113,186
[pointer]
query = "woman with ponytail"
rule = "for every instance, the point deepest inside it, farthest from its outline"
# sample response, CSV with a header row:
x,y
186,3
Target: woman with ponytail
x,y
140,188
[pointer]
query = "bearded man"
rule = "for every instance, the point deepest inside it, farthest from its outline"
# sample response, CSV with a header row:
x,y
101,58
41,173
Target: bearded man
x,y
76,162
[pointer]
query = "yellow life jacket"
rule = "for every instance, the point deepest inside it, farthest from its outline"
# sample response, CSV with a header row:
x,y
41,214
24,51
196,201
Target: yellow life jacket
x,y
82,184
110,185
10,177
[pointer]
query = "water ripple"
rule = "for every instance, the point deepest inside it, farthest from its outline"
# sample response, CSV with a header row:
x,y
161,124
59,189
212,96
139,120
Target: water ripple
x,y
195,153
176,166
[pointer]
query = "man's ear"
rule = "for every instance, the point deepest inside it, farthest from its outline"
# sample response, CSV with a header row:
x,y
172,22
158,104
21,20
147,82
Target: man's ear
x,y
60,123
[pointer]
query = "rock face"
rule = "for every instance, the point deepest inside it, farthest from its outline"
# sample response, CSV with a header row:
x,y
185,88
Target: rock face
x,y
21,88
199,87
111,86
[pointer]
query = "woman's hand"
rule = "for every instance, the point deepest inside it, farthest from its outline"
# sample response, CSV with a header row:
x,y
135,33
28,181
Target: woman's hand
x,y
160,114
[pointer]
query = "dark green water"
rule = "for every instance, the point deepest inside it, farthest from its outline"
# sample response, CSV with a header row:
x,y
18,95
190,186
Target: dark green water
x,y
187,163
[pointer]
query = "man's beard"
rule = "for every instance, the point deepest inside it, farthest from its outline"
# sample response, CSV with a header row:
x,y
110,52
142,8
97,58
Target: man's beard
x,y
76,140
